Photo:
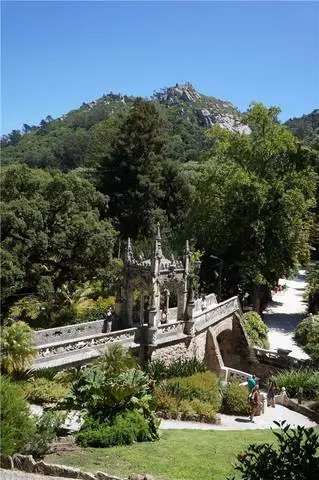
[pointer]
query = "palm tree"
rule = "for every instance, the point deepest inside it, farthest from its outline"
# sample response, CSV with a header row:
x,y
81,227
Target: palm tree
x,y
17,347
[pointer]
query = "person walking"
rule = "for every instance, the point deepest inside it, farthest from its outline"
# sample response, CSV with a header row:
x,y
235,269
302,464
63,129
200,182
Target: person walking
x,y
251,382
255,402
271,392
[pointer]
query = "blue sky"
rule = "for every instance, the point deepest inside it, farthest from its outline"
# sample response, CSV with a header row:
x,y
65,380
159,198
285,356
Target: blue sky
x,y
56,55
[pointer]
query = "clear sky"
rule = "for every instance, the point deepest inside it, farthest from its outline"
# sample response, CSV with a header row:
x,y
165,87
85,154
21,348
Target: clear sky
x,y
56,55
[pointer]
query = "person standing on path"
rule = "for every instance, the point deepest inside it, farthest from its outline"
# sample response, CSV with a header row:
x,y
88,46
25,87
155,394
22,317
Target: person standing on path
x,y
271,392
254,401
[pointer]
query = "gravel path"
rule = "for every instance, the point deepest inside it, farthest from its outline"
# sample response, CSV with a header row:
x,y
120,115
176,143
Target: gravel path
x,y
284,313
231,422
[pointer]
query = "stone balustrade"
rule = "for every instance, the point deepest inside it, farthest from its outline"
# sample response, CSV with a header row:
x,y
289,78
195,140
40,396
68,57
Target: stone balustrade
x,y
172,314
83,348
169,332
215,313
69,332
278,358
231,374
210,300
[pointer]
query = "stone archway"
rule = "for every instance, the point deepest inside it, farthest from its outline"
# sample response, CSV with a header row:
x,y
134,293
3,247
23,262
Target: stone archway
x,y
226,344
141,300
172,299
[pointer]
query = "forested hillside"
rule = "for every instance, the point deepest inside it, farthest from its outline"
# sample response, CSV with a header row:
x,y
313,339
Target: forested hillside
x,y
240,187
80,137
306,128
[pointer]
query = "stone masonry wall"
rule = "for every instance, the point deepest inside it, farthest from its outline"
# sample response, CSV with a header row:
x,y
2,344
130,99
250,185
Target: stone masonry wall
x,y
186,348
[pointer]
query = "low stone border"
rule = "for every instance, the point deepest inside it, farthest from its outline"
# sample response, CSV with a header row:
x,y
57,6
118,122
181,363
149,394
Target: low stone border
x,y
303,409
27,463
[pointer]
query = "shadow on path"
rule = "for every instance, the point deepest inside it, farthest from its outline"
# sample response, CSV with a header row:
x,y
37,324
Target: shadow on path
x,y
284,322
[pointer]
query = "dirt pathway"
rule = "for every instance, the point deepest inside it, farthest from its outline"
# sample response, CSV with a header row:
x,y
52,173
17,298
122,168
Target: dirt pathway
x,y
284,313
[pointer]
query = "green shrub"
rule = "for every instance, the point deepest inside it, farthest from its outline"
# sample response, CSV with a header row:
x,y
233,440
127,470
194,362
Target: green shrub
x,y
312,292
204,409
294,379
17,347
27,309
116,360
294,456
126,428
89,309
256,329
307,336
165,402
181,367
156,369
47,427
16,425
235,400
185,367
187,407
42,390
202,385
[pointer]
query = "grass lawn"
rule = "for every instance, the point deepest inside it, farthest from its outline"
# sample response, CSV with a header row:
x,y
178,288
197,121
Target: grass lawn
x,y
178,455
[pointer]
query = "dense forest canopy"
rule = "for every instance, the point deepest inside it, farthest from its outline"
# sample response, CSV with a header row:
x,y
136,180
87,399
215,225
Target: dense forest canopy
x,y
242,187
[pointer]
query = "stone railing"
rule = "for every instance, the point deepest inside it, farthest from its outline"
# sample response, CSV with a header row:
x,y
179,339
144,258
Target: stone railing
x,y
170,332
215,313
235,375
278,358
78,330
172,314
84,348
210,300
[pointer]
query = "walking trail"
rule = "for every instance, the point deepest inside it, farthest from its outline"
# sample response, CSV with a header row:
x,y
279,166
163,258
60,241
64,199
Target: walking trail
x,y
284,313
281,317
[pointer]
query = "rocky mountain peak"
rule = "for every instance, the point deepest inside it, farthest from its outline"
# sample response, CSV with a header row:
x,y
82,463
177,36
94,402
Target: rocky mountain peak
x,y
180,92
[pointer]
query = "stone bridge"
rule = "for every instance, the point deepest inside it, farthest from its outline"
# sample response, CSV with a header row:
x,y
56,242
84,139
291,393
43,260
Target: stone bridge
x,y
213,332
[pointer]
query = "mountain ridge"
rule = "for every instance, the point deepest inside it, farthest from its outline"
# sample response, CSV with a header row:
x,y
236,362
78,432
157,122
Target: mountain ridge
x,y
65,142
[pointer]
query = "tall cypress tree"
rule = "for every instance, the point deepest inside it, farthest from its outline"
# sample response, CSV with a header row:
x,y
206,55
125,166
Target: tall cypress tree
x,y
131,174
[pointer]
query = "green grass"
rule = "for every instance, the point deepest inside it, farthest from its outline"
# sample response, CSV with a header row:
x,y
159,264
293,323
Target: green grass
x,y
178,455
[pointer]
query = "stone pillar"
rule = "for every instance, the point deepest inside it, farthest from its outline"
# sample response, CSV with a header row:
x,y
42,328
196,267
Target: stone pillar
x,y
189,322
129,303
167,302
142,309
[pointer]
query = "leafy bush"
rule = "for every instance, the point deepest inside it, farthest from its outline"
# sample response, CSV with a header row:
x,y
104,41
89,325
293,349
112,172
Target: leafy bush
x,y
126,428
41,390
116,360
27,309
89,309
312,291
256,329
47,427
102,395
185,367
17,425
202,386
17,347
295,456
165,402
106,390
235,400
156,369
294,379
307,336
181,367
204,409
